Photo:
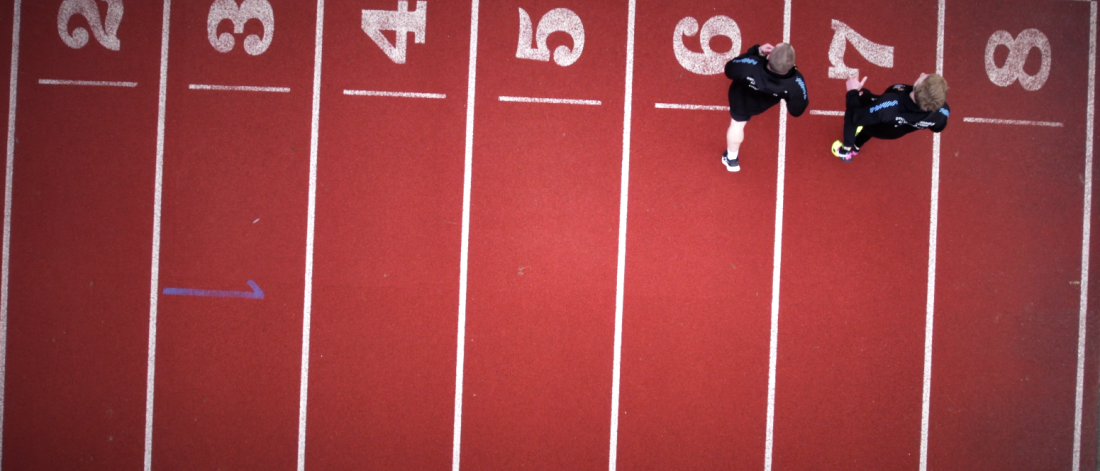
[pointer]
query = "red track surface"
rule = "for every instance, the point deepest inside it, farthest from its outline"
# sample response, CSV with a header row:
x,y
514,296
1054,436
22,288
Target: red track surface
x,y
540,305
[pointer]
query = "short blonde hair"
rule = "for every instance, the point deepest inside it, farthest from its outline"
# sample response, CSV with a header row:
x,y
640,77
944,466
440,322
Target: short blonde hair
x,y
931,93
781,58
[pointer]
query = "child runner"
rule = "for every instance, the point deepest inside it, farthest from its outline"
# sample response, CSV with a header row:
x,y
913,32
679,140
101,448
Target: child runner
x,y
761,77
900,110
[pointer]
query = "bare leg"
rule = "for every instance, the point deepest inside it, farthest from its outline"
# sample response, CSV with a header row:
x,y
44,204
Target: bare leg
x,y
735,135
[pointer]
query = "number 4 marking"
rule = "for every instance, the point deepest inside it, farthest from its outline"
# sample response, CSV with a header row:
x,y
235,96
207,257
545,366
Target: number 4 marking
x,y
875,53
401,22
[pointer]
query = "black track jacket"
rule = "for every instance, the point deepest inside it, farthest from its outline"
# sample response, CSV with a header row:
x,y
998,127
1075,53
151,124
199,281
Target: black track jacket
x,y
755,88
890,115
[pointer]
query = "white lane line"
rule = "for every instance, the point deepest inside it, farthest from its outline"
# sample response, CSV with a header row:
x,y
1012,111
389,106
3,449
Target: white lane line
x,y
620,270
1082,316
394,94
678,106
154,276
467,175
826,113
86,83
933,223
7,211
777,258
307,298
1016,122
237,88
559,101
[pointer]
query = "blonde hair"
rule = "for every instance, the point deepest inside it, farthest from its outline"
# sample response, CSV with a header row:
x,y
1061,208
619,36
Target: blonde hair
x,y
931,93
781,58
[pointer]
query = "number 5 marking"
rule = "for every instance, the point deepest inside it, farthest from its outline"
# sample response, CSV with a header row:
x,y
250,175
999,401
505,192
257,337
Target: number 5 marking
x,y
222,10
707,62
875,53
1017,53
558,19
105,31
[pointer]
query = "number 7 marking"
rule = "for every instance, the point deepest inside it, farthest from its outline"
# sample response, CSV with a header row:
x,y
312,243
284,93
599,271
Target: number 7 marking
x,y
875,53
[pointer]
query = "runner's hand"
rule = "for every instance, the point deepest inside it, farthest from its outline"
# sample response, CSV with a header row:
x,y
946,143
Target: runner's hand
x,y
855,84
766,49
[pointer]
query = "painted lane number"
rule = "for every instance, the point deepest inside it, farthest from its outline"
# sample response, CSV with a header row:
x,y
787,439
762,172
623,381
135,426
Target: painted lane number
x,y
402,22
105,30
877,54
1013,69
556,20
222,10
707,62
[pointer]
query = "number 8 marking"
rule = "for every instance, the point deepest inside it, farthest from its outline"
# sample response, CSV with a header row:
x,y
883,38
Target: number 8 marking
x,y
1018,48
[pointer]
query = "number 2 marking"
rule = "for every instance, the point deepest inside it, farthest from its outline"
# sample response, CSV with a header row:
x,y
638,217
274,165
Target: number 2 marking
x,y
556,20
875,53
1018,48
222,10
105,31
707,62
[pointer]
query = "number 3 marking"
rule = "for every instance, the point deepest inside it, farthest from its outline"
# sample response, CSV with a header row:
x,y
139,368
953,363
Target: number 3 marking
x,y
558,19
707,62
1018,48
104,31
222,10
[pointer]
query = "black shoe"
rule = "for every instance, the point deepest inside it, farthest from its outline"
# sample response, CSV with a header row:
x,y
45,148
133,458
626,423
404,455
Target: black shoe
x,y
731,164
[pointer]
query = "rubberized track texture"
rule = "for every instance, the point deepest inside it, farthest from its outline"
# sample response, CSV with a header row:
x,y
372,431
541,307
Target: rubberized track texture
x,y
389,234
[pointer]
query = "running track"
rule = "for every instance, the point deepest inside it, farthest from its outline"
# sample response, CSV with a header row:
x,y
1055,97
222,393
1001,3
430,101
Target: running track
x,y
318,250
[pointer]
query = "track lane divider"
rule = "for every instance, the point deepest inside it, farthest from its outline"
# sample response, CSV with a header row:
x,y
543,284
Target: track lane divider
x,y
464,257
311,210
620,270
7,212
154,277
1090,113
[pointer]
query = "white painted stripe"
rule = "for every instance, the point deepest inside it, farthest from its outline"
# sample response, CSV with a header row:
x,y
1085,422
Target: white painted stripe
x,y
559,101
307,298
238,88
154,276
394,94
933,224
777,258
467,176
827,113
1017,122
7,211
1086,237
620,270
677,106
86,83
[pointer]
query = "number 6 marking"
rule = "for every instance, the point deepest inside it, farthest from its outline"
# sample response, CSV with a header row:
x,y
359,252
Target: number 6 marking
x,y
707,62
222,10
558,19
104,31
1018,48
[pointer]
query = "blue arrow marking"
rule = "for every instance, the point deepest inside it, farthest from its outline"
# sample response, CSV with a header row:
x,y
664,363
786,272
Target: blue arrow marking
x,y
256,292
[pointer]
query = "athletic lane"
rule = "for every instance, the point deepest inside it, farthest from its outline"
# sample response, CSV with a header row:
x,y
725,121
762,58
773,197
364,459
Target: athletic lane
x,y
82,213
1008,279
697,301
855,255
386,266
543,240
236,178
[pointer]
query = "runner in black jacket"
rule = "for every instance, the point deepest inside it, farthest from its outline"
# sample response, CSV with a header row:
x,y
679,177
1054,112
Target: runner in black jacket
x,y
761,77
900,110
